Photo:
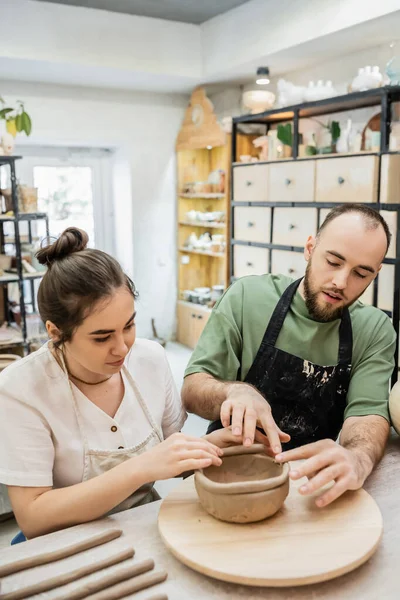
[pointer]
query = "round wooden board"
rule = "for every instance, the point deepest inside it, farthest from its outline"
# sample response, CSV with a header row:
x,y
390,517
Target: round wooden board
x,y
300,545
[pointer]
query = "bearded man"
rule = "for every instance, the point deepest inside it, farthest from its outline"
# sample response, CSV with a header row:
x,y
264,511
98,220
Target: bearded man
x,y
300,363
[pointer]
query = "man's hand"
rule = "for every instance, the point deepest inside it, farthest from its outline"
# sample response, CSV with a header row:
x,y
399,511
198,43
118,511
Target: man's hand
x,y
326,461
224,438
249,410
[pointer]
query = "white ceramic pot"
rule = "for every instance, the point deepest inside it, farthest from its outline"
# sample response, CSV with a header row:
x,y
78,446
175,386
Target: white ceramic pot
x,y
258,100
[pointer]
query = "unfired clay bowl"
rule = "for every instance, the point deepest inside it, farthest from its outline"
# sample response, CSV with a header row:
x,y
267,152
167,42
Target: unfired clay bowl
x,y
249,486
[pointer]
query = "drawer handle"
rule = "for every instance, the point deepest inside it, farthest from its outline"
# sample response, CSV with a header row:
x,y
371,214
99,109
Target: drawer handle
x,y
249,183
250,224
249,264
291,226
288,181
193,316
340,180
199,316
291,270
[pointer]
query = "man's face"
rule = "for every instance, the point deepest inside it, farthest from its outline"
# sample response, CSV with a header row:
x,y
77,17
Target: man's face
x,y
342,263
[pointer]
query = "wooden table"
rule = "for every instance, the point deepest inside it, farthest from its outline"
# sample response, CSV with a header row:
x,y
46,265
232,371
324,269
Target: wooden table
x,y
378,579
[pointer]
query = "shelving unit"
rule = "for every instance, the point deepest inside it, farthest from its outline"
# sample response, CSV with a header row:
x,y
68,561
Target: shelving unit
x,y
276,204
18,338
202,148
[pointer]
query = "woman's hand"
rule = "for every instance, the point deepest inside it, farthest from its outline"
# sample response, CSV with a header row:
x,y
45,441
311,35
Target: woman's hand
x,y
177,454
223,438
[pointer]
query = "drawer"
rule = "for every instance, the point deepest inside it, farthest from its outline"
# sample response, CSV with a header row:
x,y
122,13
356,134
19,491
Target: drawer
x,y
292,264
252,224
250,183
250,261
292,226
390,179
386,287
390,217
350,179
292,182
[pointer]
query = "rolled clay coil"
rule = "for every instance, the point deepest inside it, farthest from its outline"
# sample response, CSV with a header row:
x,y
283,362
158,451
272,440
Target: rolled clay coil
x,y
48,557
130,587
88,589
64,578
158,597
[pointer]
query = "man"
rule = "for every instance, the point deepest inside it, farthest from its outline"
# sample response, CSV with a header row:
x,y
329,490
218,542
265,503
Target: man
x,y
304,360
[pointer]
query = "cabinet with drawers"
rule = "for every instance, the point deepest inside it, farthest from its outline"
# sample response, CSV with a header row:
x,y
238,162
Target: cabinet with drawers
x,y
250,183
292,226
191,322
277,205
292,181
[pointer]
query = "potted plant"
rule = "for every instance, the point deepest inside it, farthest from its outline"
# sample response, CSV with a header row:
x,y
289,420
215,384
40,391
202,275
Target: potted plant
x,y
17,120
330,136
285,136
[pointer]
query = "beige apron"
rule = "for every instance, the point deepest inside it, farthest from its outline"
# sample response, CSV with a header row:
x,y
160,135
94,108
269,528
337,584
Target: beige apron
x,y
97,462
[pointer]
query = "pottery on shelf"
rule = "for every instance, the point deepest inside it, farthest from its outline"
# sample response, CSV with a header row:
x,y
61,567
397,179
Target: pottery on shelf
x,y
249,486
258,100
367,78
8,143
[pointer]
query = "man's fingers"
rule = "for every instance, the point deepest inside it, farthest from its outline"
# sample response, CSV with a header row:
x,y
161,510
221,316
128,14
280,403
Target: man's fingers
x,y
284,437
237,419
271,430
324,477
310,466
333,493
300,453
249,428
261,438
225,414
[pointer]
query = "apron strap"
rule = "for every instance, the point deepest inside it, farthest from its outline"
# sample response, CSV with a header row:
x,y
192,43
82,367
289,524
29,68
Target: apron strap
x,y
345,339
278,316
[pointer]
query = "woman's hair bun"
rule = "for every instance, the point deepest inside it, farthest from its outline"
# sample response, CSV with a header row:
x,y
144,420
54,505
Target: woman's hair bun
x,y
71,240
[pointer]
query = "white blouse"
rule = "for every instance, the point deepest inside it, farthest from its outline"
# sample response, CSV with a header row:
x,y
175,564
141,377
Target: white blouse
x,y
40,440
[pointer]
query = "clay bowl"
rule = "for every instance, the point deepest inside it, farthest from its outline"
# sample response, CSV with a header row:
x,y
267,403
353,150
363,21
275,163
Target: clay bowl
x,y
249,486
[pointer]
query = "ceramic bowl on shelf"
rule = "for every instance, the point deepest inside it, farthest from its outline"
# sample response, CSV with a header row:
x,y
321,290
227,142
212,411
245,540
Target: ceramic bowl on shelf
x,y
249,486
258,100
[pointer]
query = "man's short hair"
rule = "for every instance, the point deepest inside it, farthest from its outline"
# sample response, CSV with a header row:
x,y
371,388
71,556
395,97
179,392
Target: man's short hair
x,y
373,219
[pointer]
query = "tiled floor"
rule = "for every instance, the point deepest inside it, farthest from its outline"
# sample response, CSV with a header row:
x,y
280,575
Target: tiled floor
x,y
178,357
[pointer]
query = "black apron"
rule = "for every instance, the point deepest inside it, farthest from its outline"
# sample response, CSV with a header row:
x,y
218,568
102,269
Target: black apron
x,y
307,400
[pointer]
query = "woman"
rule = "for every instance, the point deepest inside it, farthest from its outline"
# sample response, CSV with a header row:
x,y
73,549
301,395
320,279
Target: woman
x,y
83,419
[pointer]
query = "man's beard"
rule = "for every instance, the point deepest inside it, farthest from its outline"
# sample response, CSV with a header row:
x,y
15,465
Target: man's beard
x,y
325,314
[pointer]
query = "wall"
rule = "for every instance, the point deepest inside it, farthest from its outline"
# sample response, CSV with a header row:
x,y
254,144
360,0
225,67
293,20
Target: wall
x,y
142,128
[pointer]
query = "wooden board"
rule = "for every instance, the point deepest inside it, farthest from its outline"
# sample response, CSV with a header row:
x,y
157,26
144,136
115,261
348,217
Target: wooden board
x,y
300,545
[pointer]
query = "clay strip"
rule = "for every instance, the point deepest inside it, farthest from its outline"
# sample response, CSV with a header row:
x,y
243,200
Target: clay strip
x,y
64,578
158,597
48,557
130,587
88,589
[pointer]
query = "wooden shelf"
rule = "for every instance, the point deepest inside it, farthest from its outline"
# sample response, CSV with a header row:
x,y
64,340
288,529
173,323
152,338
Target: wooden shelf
x,y
206,196
13,277
335,104
203,252
204,224
312,157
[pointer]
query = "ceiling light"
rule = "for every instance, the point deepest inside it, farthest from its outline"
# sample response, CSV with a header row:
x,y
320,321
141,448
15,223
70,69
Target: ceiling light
x,y
262,76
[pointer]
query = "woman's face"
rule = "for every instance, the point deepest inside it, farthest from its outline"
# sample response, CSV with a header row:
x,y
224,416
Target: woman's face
x,y
101,343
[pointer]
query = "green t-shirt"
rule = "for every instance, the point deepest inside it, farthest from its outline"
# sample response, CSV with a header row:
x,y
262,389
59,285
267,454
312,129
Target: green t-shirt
x,y
233,334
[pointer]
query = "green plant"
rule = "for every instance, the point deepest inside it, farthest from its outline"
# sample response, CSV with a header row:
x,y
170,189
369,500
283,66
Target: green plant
x,y
17,119
333,127
285,134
